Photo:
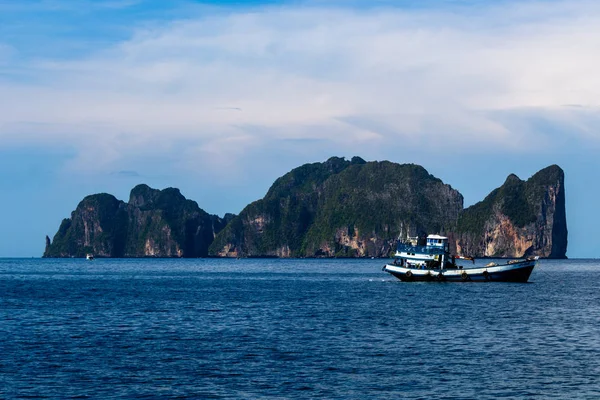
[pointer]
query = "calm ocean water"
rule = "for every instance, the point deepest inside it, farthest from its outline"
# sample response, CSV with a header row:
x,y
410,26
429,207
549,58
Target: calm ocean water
x,y
293,329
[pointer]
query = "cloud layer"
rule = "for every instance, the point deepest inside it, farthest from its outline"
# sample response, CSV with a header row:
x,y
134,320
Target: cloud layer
x,y
224,84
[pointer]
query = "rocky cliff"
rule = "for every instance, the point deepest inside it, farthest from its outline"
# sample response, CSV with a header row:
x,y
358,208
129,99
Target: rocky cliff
x,y
520,218
341,208
338,208
154,223
354,208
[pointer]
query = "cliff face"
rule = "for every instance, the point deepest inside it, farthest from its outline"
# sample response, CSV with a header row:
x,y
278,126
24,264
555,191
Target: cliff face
x,y
353,208
341,208
338,208
96,226
155,223
520,218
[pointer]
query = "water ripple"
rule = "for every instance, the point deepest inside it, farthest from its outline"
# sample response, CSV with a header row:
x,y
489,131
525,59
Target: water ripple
x,y
292,329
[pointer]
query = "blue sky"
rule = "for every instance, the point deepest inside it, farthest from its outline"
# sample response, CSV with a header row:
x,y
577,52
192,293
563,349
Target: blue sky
x,y
220,98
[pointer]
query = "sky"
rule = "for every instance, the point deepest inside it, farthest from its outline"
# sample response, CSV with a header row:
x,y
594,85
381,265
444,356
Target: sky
x,y
219,98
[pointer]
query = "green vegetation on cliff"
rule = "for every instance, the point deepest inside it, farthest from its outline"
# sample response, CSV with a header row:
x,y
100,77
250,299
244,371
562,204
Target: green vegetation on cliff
x,y
516,199
377,198
307,211
343,208
98,226
285,213
510,199
159,223
535,210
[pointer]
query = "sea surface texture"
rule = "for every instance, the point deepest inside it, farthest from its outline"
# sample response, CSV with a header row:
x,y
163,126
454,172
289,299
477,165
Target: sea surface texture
x,y
246,329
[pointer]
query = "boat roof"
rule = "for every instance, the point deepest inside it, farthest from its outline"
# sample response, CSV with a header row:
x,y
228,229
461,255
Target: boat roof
x,y
436,237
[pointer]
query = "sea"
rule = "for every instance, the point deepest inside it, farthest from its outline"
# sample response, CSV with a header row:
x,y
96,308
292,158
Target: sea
x,y
293,328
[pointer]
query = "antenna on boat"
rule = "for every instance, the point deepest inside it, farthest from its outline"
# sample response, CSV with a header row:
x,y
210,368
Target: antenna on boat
x,y
401,231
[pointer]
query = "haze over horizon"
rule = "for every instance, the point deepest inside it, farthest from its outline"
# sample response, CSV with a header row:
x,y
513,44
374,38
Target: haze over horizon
x,y
219,98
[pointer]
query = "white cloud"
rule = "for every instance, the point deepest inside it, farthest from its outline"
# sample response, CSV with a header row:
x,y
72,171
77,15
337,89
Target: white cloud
x,y
227,83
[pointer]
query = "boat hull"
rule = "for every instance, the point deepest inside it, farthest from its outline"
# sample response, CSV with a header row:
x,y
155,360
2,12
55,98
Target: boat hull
x,y
514,272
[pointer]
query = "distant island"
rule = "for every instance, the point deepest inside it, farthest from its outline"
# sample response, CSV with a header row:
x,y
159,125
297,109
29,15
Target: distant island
x,y
338,208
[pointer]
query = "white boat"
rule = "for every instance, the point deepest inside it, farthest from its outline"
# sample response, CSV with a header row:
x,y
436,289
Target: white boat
x,y
433,262
89,256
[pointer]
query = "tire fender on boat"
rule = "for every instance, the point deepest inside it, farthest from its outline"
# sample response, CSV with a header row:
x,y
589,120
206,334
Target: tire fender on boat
x,y
464,276
439,277
486,275
409,274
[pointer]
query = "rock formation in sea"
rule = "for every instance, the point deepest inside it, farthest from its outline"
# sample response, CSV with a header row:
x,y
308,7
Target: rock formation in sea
x,y
338,208
354,208
154,223
520,218
341,208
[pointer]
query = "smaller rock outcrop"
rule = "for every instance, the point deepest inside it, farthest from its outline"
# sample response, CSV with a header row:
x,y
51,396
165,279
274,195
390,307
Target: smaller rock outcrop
x,y
155,223
518,219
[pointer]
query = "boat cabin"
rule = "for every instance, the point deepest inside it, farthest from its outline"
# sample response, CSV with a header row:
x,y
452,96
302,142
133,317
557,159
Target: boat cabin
x,y
433,254
439,242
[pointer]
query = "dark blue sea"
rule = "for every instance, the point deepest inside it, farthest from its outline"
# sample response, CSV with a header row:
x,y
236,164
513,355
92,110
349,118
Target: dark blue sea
x,y
247,329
